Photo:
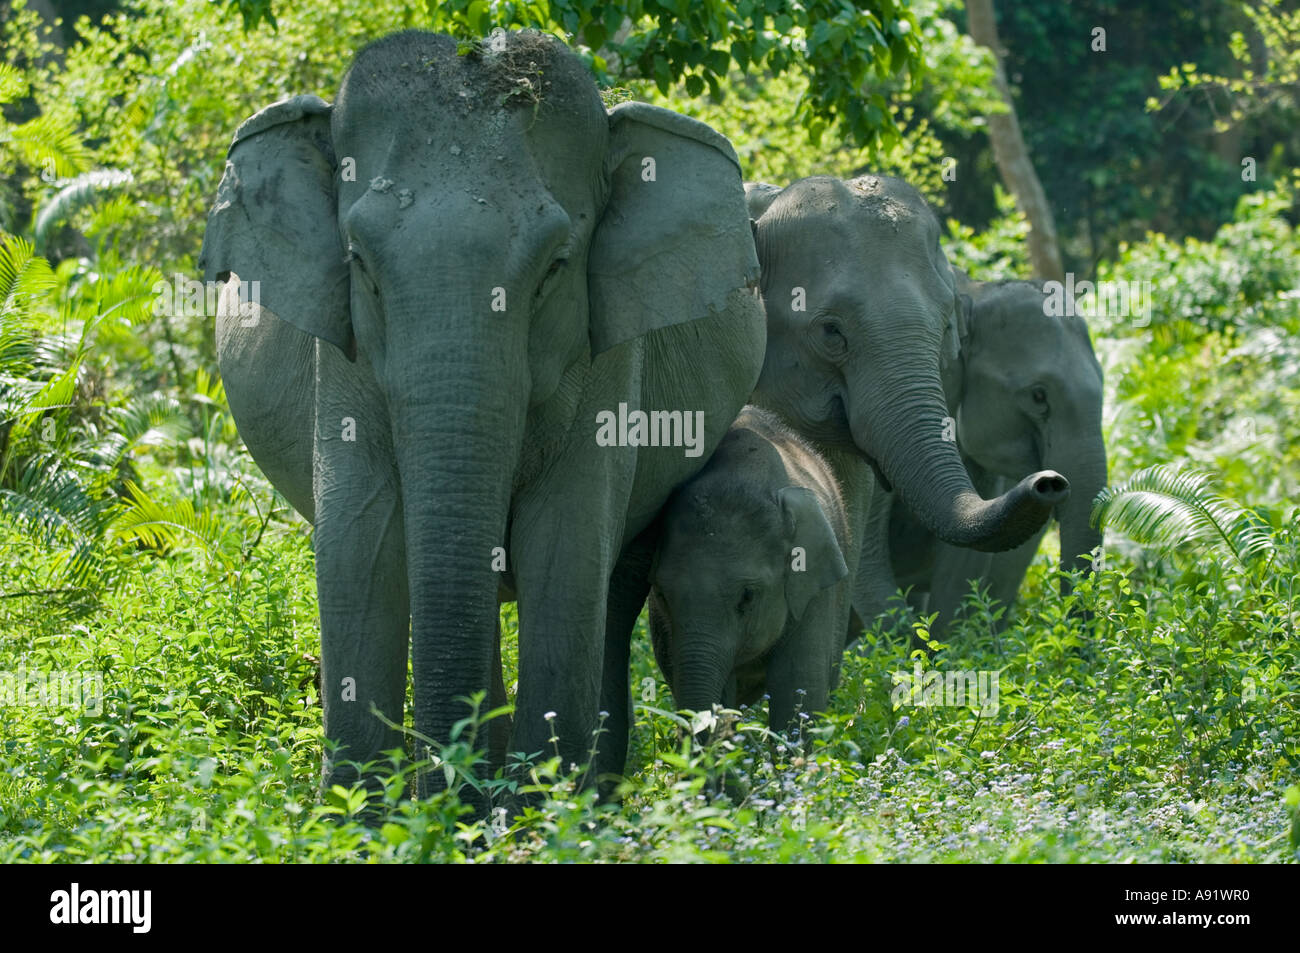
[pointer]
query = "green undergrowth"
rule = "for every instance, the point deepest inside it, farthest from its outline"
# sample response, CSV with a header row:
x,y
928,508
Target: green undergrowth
x,y
1164,730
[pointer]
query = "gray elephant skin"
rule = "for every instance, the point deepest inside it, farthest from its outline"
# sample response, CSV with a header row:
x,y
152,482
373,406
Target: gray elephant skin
x,y
1026,393
463,262
749,589
862,318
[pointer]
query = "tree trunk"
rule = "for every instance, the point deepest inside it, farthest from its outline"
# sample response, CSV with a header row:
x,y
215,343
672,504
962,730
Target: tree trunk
x,y
1011,156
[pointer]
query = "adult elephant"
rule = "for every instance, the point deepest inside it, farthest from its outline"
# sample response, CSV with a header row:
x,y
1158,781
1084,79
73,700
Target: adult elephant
x,y
465,266
1026,393
861,318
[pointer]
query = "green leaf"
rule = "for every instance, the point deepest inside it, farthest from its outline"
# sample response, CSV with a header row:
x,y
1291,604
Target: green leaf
x,y
478,17
662,75
1165,505
594,35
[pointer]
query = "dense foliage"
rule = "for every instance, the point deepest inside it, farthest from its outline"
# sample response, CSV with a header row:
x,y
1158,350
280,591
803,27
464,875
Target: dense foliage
x,y
141,549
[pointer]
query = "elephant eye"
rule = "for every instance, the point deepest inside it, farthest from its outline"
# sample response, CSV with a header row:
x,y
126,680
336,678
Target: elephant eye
x,y
746,599
1039,395
355,258
548,279
831,339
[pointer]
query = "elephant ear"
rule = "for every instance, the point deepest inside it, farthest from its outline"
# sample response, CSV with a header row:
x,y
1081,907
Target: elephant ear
x,y
950,348
275,220
759,197
953,371
823,563
964,313
674,241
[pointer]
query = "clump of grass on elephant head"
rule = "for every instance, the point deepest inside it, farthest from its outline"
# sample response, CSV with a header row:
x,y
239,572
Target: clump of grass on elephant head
x,y
516,70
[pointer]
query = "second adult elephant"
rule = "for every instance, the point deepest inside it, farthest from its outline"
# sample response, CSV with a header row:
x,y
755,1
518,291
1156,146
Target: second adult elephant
x,y
1026,393
862,316
467,268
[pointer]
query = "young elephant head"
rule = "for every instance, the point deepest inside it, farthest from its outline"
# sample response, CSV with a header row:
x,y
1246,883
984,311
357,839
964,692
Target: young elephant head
x,y
1029,396
744,560
861,311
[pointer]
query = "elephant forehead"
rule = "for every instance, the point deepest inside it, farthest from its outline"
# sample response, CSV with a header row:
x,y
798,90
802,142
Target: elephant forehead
x,y
419,80
830,222
1025,336
890,200
727,509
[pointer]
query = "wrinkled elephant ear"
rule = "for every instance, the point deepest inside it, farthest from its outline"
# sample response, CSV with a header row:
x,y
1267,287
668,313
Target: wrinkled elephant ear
x,y
953,337
952,370
822,563
674,242
965,311
759,197
965,290
275,220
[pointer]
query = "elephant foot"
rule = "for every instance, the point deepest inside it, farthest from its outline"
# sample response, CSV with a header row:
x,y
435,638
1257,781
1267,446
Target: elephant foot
x,y
347,776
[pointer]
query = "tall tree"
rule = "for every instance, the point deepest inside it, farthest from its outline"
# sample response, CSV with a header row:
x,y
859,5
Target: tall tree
x,y
1011,155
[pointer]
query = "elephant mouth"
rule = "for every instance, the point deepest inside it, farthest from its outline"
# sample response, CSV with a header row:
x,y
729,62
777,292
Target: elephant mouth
x,y
880,474
840,419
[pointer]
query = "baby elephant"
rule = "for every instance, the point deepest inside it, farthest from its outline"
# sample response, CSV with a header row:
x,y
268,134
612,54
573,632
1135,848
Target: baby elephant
x,y
749,588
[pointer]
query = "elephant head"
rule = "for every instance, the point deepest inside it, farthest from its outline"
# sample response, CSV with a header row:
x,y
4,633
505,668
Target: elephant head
x,y
1028,395
475,243
862,314
724,588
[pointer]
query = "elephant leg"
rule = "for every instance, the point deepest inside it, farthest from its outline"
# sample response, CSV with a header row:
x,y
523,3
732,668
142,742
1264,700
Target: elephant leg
x,y
361,579
565,539
628,588
799,670
499,727
954,568
873,582
1007,571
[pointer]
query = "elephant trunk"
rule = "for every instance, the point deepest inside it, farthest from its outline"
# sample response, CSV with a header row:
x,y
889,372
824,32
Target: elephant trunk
x,y
1079,539
904,426
701,667
457,435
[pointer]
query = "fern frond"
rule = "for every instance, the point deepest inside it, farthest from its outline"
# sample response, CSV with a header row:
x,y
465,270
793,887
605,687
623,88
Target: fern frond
x,y
54,393
80,192
165,526
23,275
110,215
209,389
56,512
47,138
17,356
52,506
1165,505
12,84
151,420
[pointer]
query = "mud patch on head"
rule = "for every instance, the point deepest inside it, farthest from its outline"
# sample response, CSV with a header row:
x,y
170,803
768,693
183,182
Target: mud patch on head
x,y
878,196
416,70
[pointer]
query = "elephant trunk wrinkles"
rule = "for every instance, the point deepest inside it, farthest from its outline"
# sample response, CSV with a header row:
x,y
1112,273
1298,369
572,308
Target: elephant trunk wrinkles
x,y
700,671
456,450
911,440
